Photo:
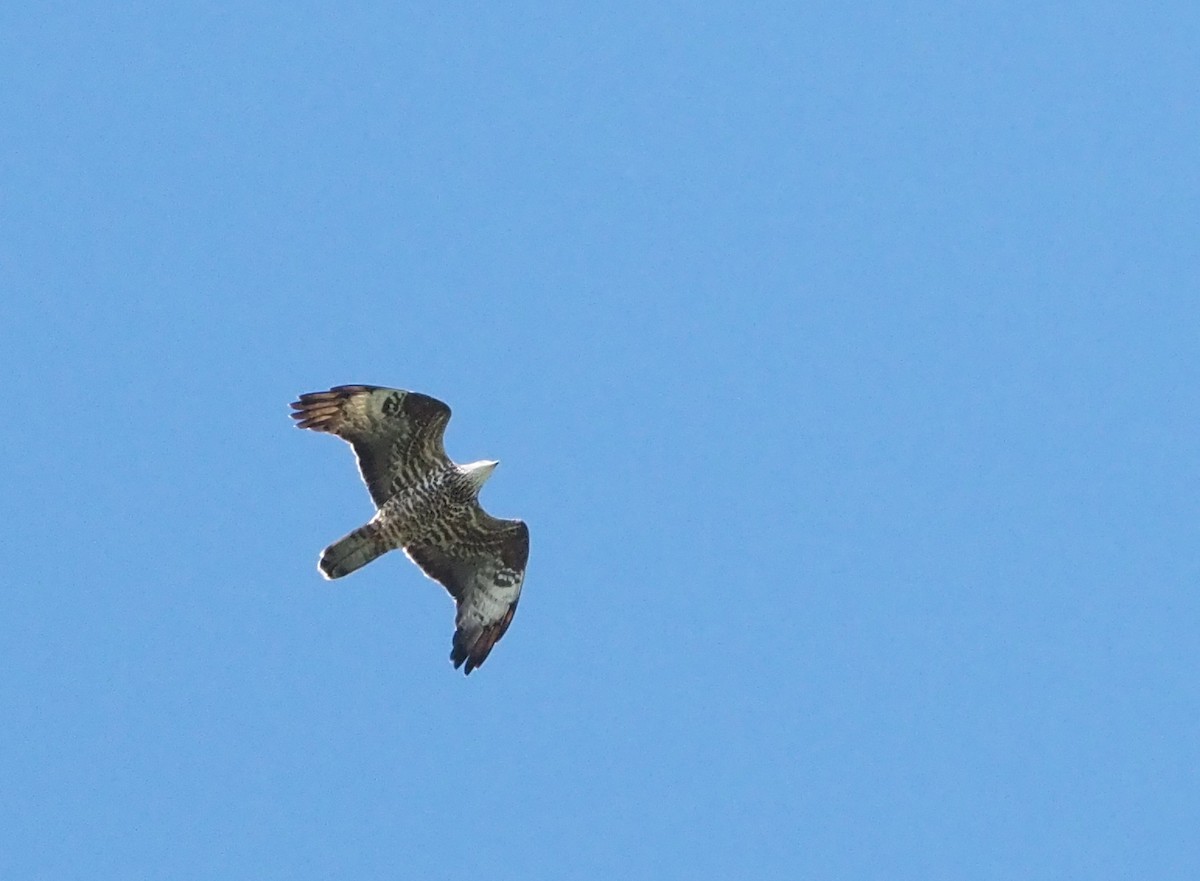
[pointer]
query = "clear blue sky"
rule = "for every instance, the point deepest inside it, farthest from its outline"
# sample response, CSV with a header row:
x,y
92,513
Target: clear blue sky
x,y
842,359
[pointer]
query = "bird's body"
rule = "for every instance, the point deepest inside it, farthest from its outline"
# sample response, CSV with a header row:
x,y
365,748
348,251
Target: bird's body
x,y
425,504
428,510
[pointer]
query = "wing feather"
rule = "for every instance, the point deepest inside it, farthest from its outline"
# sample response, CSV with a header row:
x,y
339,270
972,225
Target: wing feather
x,y
483,568
396,434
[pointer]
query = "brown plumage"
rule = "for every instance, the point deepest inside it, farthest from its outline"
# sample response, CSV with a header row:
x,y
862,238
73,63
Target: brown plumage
x,y
426,505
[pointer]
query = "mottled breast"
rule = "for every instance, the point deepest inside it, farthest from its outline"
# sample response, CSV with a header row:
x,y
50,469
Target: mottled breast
x,y
427,509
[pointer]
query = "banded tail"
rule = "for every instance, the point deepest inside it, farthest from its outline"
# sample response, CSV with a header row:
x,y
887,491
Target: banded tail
x,y
352,552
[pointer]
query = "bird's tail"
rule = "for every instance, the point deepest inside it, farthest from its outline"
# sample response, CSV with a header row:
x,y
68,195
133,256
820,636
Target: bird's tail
x,y
352,552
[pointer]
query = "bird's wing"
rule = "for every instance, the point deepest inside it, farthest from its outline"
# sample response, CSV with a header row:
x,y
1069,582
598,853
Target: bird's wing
x,y
482,565
396,435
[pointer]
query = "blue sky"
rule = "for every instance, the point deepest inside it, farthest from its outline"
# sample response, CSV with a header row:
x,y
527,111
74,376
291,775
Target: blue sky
x,y
841,357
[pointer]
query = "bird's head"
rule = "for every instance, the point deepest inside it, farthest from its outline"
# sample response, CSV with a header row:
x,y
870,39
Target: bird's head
x,y
477,473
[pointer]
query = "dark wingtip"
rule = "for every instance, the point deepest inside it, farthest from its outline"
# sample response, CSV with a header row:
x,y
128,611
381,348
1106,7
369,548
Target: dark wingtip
x,y
460,656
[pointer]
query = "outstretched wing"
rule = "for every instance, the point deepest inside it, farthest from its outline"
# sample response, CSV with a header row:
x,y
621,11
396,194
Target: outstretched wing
x,y
396,435
482,564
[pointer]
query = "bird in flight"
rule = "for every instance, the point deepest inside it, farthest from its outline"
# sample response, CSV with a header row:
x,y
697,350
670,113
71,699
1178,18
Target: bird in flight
x,y
426,505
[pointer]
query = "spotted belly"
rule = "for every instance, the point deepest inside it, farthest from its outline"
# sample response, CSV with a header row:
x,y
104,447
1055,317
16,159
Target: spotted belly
x,y
425,513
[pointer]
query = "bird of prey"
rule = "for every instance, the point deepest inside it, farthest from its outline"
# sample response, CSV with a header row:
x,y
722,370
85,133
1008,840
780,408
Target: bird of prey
x,y
426,505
